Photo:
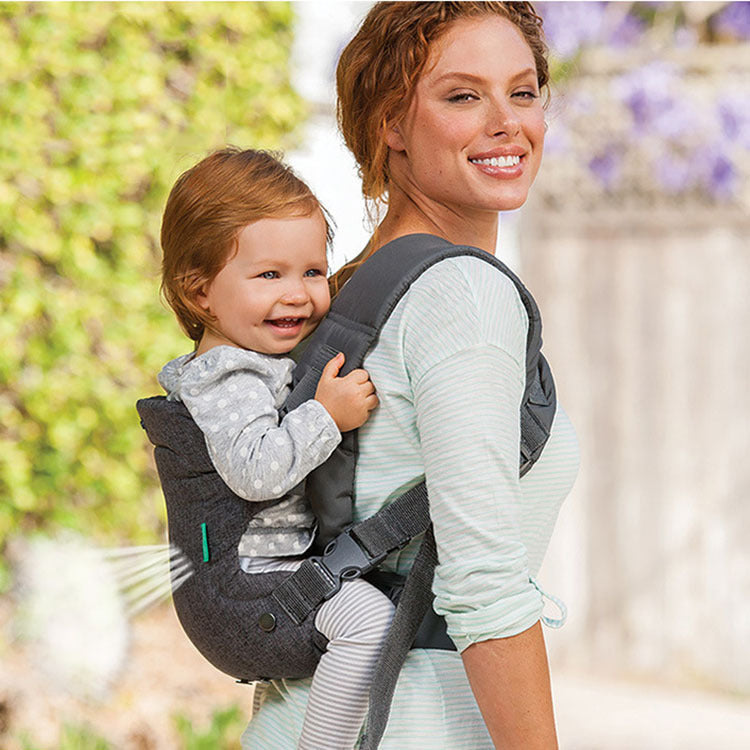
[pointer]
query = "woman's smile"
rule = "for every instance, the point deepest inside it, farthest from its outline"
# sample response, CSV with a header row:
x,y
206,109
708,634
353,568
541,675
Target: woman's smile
x,y
504,164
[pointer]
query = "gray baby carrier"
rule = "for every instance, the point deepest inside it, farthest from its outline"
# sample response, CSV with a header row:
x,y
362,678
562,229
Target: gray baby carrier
x,y
259,627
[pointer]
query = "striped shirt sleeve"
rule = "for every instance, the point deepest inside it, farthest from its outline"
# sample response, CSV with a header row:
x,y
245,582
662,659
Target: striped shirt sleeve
x,y
464,348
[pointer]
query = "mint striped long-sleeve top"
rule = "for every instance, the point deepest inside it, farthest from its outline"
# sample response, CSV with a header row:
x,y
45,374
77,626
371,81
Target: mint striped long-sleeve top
x,y
449,368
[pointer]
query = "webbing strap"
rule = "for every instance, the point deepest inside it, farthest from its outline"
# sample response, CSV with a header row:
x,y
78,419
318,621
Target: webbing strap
x,y
396,523
307,587
412,606
354,552
319,578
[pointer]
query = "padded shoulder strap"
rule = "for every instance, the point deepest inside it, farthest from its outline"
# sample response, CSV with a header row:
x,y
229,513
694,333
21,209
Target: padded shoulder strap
x,y
353,326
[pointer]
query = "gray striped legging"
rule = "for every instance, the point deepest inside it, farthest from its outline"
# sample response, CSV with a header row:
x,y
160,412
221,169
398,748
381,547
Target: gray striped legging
x,y
355,621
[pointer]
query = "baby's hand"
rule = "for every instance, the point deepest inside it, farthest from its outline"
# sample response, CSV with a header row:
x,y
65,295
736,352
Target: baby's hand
x,y
350,399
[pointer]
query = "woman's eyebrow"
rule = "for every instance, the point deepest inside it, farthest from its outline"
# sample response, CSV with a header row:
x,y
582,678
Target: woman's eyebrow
x,y
471,78
524,74
460,77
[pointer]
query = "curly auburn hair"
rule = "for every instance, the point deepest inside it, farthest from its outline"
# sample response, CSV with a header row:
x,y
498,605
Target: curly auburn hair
x,y
378,70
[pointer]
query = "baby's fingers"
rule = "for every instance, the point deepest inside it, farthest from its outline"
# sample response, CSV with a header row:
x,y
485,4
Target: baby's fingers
x,y
366,388
359,376
371,402
333,366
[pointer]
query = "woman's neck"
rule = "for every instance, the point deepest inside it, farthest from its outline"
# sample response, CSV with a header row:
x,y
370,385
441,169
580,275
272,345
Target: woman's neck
x,y
411,215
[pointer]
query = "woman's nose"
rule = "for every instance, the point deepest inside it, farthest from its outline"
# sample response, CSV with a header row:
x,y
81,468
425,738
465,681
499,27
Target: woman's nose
x,y
503,120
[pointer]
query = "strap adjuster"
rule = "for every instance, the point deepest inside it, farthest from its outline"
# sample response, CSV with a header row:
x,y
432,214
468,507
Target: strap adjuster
x,y
344,559
320,576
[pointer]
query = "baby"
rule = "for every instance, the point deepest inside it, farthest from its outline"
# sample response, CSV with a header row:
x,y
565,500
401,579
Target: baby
x,y
245,272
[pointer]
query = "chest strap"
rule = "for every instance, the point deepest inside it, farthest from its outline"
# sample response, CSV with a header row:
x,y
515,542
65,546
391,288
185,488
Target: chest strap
x,y
353,553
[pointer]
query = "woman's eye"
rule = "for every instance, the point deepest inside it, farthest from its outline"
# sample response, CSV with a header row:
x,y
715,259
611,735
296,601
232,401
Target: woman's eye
x,y
462,97
528,95
269,275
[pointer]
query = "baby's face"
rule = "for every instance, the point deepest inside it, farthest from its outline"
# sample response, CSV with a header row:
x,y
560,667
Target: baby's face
x,y
273,292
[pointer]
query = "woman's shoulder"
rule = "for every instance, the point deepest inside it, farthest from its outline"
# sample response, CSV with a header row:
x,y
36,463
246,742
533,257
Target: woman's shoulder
x,y
470,276
466,288
457,304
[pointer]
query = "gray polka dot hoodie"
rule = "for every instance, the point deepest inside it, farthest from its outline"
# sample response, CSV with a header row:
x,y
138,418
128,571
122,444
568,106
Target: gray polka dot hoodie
x,y
234,396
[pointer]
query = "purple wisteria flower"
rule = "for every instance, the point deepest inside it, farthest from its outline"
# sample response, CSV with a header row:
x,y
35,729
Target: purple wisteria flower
x,y
712,170
680,118
627,32
673,172
648,93
569,26
607,167
721,178
667,126
734,115
734,19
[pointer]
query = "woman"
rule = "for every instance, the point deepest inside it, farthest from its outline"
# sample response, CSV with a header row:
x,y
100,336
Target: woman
x,y
441,105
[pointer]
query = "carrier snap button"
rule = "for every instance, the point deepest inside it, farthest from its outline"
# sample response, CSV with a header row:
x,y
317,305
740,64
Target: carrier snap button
x,y
267,622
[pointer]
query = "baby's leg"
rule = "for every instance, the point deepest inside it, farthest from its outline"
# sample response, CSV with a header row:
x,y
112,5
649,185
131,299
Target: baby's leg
x,y
355,621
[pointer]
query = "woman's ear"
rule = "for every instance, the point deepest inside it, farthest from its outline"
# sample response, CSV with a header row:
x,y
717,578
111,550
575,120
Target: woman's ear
x,y
393,138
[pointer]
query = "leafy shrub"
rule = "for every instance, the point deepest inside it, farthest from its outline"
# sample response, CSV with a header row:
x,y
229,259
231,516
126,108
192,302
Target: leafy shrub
x,y
222,733
102,106
72,737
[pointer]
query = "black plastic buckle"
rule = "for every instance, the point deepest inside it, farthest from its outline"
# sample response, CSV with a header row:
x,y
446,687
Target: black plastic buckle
x,y
343,559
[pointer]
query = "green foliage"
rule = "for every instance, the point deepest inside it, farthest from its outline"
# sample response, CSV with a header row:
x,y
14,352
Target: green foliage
x,y
222,733
72,737
75,737
102,106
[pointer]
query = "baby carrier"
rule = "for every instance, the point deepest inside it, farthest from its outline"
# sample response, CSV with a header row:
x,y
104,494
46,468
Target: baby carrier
x,y
257,627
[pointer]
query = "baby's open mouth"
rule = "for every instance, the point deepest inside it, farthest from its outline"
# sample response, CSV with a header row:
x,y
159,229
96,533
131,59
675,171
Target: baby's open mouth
x,y
286,322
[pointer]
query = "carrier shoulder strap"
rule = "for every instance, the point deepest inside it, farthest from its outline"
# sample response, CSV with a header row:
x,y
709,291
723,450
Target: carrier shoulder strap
x,y
353,325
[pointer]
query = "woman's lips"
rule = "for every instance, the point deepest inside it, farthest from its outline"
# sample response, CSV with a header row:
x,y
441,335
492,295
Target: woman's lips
x,y
507,166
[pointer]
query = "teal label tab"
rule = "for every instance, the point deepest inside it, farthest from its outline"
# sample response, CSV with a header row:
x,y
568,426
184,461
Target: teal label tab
x,y
204,537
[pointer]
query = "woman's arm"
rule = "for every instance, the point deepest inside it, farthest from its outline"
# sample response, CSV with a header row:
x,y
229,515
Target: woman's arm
x,y
482,582
468,377
510,681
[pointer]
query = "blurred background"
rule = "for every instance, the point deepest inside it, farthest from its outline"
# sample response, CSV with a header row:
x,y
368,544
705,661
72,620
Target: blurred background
x,y
635,244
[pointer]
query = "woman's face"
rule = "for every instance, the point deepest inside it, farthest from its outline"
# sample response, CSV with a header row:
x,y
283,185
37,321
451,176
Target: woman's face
x,y
473,135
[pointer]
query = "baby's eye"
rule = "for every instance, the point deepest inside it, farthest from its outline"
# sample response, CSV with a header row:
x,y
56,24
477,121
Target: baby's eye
x,y
269,275
314,272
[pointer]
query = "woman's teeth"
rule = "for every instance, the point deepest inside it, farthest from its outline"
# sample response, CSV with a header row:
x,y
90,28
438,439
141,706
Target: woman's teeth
x,y
498,161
